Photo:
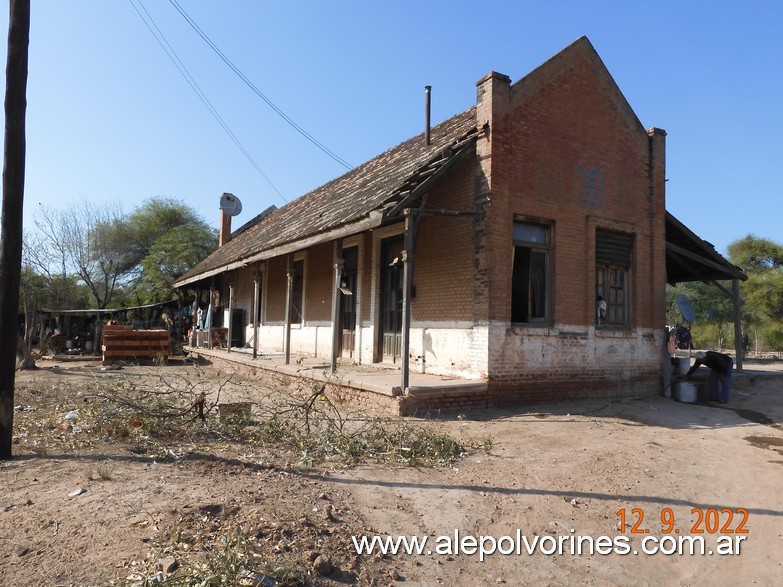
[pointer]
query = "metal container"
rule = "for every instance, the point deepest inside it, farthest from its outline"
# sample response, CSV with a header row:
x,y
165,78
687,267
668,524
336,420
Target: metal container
x,y
681,365
685,392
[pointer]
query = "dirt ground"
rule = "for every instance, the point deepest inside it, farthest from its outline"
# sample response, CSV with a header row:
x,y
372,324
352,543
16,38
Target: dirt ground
x,y
121,512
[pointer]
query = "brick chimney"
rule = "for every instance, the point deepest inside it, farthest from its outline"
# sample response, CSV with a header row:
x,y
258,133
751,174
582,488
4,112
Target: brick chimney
x,y
225,228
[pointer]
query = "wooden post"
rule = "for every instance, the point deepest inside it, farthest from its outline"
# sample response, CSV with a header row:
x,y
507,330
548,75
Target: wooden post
x,y
256,290
288,295
738,349
407,279
96,334
211,314
339,262
13,198
195,322
230,315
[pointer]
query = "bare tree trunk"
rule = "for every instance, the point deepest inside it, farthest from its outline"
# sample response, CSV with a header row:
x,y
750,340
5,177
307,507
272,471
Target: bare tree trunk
x,y
24,357
11,221
24,349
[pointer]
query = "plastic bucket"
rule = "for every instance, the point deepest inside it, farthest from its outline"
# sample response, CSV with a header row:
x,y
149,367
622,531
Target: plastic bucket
x,y
681,366
685,392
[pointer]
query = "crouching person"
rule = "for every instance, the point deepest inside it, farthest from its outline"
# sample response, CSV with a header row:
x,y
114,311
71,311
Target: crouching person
x,y
720,366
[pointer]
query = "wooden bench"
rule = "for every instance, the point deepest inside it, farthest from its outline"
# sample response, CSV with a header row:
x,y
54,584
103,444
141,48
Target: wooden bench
x,y
122,343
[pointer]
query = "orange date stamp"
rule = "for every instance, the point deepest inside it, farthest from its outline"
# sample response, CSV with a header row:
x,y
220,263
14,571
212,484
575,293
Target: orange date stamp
x,y
704,521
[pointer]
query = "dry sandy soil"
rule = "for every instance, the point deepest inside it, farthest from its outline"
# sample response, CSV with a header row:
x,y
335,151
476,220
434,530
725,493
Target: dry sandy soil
x,y
546,473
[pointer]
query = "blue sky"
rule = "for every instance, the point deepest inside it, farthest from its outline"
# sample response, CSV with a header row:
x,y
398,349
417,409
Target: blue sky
x,y
111,119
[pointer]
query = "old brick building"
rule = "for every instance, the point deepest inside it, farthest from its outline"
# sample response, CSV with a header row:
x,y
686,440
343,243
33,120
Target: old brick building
x,y
520,243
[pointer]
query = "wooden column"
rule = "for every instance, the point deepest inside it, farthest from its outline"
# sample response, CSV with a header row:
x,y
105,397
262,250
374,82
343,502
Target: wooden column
x,y
194,319
230,316
211,314
339,262
407,282
735,291
288,295
256,291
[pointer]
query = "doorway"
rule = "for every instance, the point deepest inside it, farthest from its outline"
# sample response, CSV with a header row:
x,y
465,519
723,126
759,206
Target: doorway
x,y
391,298
348,295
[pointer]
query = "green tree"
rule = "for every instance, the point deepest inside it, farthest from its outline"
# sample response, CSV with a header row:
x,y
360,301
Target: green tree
x,y
46,281
155,218
755,255
762,260
170,256
90,240
713,310
168,238
108,249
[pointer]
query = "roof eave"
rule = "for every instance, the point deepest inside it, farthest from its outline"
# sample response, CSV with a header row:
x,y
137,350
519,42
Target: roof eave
x,y
373,220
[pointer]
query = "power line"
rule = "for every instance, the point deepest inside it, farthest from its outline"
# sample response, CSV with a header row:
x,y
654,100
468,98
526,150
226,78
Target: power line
x,y
258,92
183,70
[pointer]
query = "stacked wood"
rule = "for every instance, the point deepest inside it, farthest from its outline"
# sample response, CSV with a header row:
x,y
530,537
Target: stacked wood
x,y
122,343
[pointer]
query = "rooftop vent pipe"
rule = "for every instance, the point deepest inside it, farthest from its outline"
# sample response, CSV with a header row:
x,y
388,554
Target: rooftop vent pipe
x,y
427,102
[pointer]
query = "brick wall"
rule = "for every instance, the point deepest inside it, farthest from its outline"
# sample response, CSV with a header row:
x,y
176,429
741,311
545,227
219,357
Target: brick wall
x,y
560,146
565,148
319,283
275,289
443,267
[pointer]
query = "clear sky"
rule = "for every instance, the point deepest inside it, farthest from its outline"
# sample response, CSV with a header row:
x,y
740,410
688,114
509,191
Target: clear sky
x,y
110,117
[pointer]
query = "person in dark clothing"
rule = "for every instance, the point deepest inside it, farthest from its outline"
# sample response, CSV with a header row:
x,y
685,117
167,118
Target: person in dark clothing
x,y
720,373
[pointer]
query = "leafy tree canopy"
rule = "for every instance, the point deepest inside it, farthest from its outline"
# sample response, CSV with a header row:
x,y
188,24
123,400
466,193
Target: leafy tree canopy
x,y
155,218
108,250
762,293
171,255
756,255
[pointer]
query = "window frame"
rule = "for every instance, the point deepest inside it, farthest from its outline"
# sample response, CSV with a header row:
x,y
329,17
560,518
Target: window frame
x,y
607,266
532,249
297,292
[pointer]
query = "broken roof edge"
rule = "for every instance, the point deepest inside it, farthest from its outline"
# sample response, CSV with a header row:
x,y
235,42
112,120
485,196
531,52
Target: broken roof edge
x,y
373,220
253,221
707,248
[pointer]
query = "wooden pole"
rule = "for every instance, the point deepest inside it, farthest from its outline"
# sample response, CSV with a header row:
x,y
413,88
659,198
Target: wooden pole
x,y
211,314
230,315
196,325
289,292
11,221
339,262
256,291
735,291
407,281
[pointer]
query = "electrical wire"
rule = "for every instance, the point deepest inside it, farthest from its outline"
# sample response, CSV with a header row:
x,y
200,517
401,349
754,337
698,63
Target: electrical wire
x,y
258,92
183,70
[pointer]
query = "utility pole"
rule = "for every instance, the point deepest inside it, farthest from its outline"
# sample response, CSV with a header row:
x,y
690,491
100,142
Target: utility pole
x,y
11,220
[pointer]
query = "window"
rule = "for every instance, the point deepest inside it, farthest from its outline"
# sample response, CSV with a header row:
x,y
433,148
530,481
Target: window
x,y
530,276
612,269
